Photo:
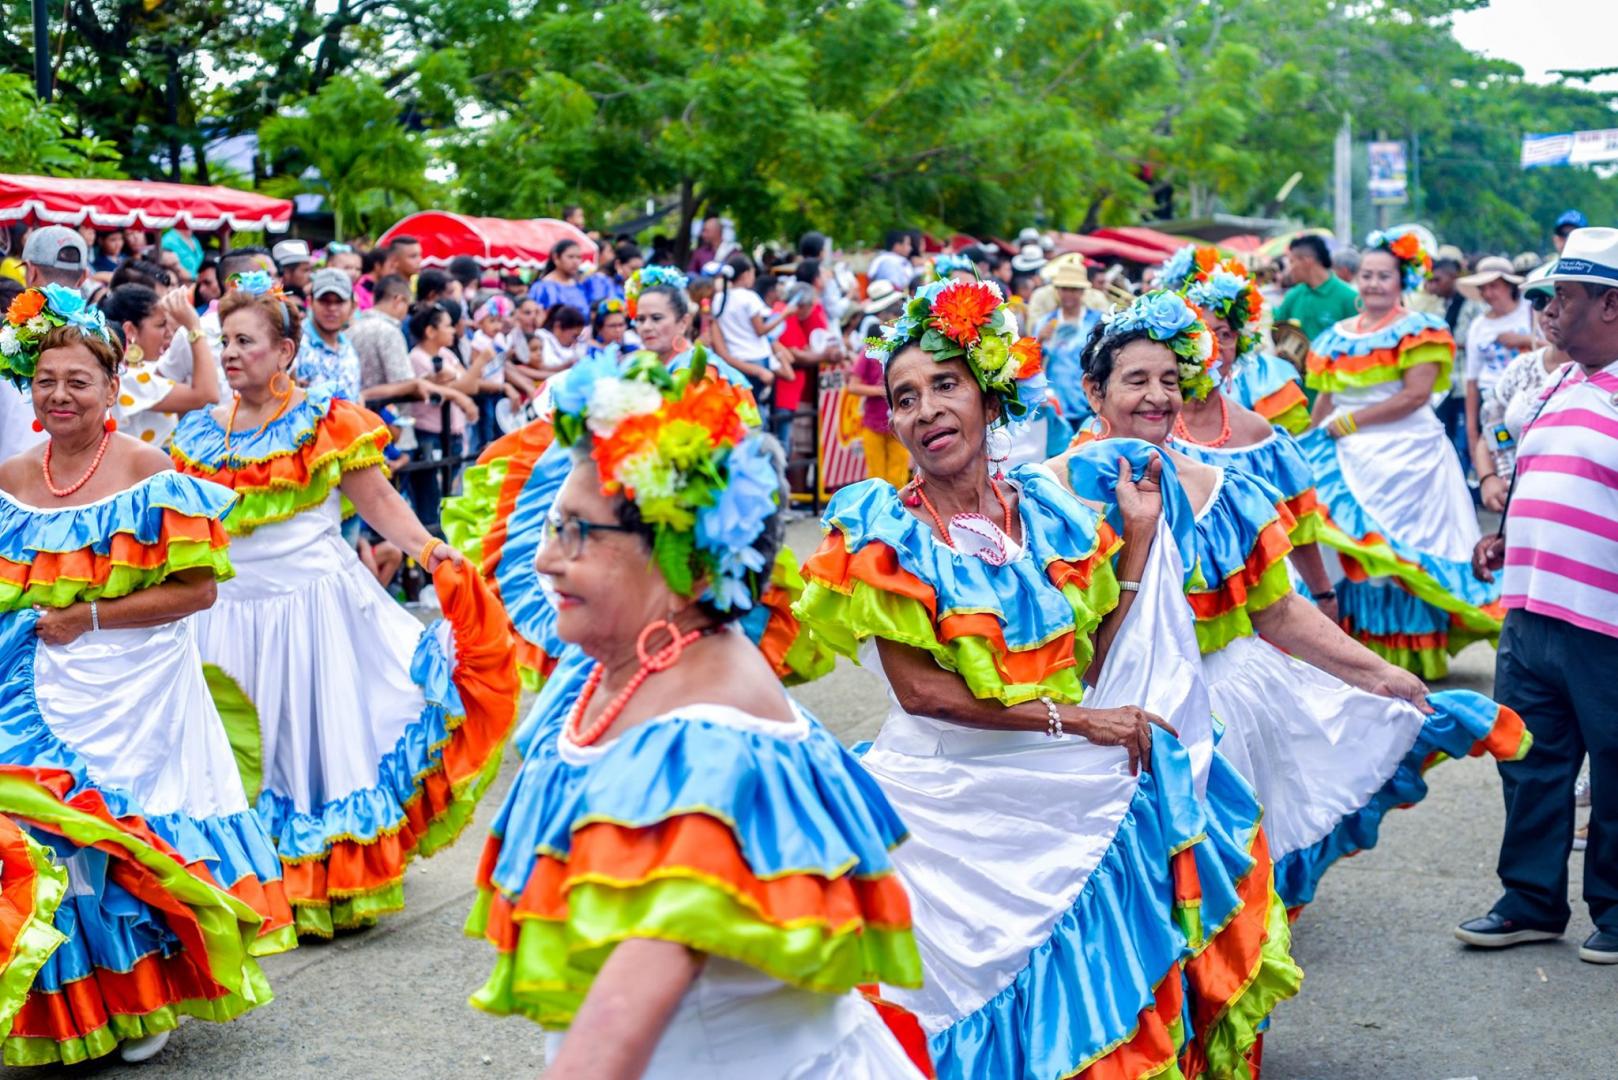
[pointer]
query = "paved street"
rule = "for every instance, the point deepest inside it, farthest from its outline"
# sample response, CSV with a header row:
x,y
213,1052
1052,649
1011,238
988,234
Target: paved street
x,y
1389,994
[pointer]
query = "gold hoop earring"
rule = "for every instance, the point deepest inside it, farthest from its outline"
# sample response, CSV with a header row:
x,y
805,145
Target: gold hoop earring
x,y
134,354
284,387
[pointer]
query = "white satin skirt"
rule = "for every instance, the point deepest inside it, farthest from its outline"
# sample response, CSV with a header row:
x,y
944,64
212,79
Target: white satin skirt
x,y
1314,748
135,707
323,652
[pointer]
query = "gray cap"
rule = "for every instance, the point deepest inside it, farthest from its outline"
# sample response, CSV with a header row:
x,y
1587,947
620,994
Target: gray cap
x,y
57,247
290,252
328,280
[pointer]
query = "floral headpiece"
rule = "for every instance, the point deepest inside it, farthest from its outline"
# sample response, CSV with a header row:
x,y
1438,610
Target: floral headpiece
x,y
648,277
1218,289
947,264
969,320
1415,264
1169,320
260,283
35,313
610,305
497,306
676,445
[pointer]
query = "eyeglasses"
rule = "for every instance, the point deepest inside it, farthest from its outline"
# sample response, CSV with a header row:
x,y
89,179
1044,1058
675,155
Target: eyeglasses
x,y
1539,301
573,531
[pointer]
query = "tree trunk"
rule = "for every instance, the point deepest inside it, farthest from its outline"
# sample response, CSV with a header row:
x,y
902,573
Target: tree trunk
x,y
690,207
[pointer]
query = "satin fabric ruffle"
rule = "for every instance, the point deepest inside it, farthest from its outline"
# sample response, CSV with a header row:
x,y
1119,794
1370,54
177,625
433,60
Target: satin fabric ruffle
x,y
1414,608
1279,462
757,842
1341,359
113,546
1270,386
1013,632
287,467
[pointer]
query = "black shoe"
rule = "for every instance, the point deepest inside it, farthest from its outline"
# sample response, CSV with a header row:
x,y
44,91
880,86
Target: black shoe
x,y
1493,932
1600,947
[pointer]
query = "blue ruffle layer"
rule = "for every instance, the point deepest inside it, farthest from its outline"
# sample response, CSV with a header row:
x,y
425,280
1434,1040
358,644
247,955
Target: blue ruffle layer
x,y
1382,609
234,846
1056,527
1278,461
1257,376
1228,527
365,814
1460,719
1084,988
1092,472
1347,514
795,805
200,439
531,610
1332,342
136,511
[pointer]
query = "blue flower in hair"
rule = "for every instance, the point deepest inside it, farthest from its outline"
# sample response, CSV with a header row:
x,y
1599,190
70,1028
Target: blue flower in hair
x,y
570,391
254,282
662,275
1179,268
64,301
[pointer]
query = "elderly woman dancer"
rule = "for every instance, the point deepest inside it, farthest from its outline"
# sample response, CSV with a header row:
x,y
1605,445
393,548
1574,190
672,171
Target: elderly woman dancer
x,y
1386,477
136,885
377,737
689,875
1331,736
1053,872
505,497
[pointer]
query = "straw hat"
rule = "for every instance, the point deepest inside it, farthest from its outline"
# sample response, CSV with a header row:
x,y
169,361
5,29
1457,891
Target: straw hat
x,y
1070,276
880,296
1490,268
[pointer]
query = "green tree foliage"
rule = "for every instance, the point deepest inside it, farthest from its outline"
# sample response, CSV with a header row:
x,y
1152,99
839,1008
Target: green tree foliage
x,y
36,140
845,115
346,143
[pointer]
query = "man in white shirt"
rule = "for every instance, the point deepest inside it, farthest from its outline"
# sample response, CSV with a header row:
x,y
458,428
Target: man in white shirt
x,y
892,264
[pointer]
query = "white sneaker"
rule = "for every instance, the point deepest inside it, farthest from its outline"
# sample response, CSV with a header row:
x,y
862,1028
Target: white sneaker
x,y
136,1051
1581,792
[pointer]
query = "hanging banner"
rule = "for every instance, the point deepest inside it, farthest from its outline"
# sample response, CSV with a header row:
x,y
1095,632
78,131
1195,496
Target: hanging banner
x,y
1389,185
1570,148
842,455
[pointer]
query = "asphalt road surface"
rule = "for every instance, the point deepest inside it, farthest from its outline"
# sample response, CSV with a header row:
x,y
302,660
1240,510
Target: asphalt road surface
x,y
1388,993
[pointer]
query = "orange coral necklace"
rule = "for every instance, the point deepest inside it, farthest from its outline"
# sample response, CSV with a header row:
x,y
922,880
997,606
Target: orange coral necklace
x,y
921,496
62,493
650,664
1184,433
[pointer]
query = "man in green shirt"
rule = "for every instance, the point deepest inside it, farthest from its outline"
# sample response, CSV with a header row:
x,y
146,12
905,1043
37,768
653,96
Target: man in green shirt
x,y
1318,298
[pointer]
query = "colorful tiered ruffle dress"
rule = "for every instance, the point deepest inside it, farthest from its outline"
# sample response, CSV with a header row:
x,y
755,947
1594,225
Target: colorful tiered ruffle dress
x,y
1280,463
1270,387
378,737
136,884
761,844
498,522
1064,907
1400,517
1328,760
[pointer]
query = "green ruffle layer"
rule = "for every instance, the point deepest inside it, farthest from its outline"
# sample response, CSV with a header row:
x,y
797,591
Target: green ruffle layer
x,y
468,517
266,506
1429,352
37,938
547,976
842,620
1293,420
122,580
1214,634
1228,1040
1379,560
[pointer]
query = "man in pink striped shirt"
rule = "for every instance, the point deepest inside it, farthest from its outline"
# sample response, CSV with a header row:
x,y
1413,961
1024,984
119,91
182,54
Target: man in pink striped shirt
x,y
1558,659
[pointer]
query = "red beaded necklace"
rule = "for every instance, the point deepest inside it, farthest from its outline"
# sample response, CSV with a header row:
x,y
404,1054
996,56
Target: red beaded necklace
x,y
662,660
921,495
1184,433
62,493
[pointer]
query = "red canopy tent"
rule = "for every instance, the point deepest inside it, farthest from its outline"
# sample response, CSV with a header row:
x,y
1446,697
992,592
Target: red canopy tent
x,y
1143,237
493,242
119,204
1096,246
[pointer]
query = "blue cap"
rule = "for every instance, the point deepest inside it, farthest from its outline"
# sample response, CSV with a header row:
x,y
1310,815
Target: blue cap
x,y
1573,218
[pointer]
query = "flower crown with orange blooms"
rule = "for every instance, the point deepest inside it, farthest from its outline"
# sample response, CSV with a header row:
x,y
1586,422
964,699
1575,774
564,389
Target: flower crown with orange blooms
x,y
678,445
1415,265
970,321
1218,289
35,313
649,277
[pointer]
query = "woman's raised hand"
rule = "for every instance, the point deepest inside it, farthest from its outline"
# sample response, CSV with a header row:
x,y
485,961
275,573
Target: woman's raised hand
x,y
1141,501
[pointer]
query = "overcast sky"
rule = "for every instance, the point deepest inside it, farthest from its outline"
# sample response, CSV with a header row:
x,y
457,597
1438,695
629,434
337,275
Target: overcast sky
x,y
1543,35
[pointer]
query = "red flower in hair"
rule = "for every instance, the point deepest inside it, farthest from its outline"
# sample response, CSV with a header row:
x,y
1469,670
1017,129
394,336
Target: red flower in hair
x,y
25,307
1407,247
1026,352
961,309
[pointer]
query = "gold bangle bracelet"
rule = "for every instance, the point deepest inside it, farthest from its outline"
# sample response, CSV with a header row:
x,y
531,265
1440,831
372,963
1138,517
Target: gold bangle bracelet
x,y
425,558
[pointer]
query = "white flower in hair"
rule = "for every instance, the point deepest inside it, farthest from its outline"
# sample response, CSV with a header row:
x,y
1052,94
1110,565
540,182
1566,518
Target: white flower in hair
x,y
37,325
9,345
612,401
647,475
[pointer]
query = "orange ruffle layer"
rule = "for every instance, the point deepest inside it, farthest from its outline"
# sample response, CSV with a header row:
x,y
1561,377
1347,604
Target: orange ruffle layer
x,y
780,631
1273,545
1152,1049
1377,358
521,449
343,426
690,845
877,565
1289,396
123,549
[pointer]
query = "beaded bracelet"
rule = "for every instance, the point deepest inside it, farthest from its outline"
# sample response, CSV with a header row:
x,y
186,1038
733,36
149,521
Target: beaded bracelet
x,y
1053,725
425,558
